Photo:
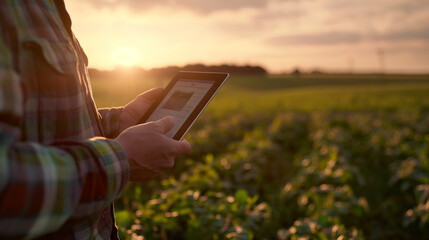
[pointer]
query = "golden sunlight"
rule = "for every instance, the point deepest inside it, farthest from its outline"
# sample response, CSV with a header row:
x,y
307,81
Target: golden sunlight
x,y
276,34
126,57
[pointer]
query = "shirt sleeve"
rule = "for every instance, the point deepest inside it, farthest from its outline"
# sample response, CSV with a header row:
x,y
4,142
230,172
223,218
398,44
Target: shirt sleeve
x,y
41,187
110,120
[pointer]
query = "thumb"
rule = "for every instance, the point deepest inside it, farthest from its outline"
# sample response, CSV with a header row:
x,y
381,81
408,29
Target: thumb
x,y
164,124
183,147
151,95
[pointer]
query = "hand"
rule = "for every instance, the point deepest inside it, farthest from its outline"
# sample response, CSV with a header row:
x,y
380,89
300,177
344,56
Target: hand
x,y
135,110
148,150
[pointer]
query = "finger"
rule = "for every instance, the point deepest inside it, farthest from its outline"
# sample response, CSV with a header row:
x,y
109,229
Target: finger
x,y
151,95
182,147
164,124
146,99
135,110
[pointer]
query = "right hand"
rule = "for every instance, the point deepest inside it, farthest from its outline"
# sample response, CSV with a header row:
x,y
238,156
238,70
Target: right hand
x,y
148,150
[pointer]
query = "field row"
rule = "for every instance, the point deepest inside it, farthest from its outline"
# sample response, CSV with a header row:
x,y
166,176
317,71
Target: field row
x,y
356,175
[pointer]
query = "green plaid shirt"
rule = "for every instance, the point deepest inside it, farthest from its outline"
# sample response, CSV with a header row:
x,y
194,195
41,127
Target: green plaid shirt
x,y
59,172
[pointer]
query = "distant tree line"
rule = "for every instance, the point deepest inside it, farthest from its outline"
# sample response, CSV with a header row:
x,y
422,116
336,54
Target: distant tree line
x,y
172,70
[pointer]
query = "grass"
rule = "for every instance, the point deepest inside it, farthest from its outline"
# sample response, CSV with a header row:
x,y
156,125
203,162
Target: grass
x,y
315,156
307,92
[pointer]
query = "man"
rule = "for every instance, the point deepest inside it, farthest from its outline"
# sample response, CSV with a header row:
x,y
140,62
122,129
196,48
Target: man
x,y
62,161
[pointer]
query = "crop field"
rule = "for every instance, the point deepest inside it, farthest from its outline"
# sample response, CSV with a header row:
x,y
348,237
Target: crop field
x,y
313,156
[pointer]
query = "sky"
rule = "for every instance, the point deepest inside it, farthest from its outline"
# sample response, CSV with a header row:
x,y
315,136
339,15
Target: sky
x,y
280,35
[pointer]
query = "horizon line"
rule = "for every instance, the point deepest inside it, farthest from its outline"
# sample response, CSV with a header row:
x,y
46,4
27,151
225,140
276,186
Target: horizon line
x,y
303,70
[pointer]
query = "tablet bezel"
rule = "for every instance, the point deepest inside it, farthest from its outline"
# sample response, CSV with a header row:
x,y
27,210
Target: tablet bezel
x,y
218,78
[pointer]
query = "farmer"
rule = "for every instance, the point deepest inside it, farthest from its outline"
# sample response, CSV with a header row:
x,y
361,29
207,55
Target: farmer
x,y
62,161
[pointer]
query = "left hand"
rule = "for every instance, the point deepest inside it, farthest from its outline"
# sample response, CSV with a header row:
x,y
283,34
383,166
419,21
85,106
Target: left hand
x,y
149,151
135,109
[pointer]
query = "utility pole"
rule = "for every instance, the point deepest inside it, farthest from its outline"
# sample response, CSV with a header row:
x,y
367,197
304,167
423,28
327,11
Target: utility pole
x,y
381,60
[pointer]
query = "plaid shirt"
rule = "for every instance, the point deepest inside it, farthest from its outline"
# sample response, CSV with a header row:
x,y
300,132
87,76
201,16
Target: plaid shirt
x,y
59,174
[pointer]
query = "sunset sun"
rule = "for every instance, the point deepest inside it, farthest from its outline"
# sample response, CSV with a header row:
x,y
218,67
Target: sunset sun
x,y
126,57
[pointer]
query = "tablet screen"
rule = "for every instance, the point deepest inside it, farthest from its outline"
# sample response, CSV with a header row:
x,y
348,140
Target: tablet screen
x,y
184,98
181,101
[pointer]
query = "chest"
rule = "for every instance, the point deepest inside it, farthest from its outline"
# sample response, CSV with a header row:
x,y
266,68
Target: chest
x,y
58,103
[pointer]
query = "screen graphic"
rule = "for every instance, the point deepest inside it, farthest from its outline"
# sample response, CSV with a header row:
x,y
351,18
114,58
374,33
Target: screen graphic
x,y
178,100
181,101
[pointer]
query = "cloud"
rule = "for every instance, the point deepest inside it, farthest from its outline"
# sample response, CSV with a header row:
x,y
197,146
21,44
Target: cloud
x,y
333,22
279,15
407,6
200,6
406,35
258,24
131,4
332,38
328,38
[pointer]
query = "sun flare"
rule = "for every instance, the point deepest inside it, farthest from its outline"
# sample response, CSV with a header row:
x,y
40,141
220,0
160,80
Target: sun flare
x,y
126,57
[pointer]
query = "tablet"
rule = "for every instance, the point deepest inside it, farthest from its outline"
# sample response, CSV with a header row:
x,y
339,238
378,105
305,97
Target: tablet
x,y
184,98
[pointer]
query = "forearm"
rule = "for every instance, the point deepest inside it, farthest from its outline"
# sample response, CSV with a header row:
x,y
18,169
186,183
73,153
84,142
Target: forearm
x,y
44,186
